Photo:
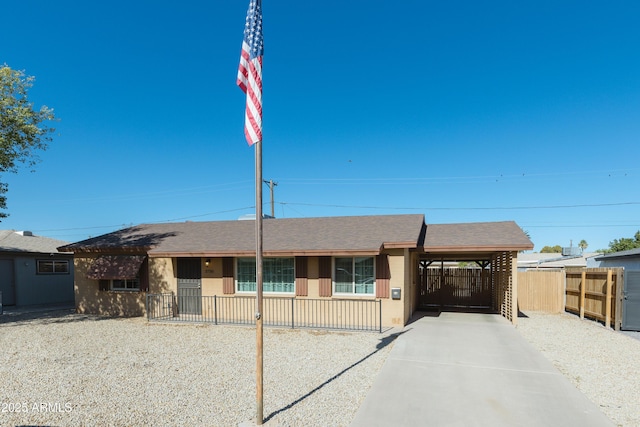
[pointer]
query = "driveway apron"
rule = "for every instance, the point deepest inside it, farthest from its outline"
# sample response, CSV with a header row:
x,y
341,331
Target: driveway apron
x,y
471,369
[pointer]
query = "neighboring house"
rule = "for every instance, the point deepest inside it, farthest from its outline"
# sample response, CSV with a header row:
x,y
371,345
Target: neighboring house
x,y
32,271
541,261
330,258
630,260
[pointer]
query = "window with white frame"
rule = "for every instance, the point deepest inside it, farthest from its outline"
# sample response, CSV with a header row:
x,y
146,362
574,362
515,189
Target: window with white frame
x,y
277,275
52,266
354,275
125,284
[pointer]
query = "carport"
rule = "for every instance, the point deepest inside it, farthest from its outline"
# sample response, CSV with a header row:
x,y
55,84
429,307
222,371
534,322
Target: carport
x,y
488,278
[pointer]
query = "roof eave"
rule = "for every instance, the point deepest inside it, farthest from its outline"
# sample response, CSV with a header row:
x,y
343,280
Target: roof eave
x,y
268,253
400,245
485,248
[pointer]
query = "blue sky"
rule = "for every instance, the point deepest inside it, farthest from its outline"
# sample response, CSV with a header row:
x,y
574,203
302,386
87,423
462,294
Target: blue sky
x,y
464,111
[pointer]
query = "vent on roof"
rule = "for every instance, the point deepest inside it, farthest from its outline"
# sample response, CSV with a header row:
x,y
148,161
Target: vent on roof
x,y
571,251
252,217
25,233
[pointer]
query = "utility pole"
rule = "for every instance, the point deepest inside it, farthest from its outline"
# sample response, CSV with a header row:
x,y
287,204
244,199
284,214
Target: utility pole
x,y
271,184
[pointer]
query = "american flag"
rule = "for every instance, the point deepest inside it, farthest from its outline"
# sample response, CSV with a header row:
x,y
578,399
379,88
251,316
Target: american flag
x,y
250,72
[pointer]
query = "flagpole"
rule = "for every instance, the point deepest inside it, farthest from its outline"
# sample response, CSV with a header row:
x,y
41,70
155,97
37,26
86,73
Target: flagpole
x,y
250,81
259,316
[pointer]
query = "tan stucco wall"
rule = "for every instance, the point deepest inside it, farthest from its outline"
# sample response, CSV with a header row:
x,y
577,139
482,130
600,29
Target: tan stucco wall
x,y
162,279
89,299
393,311
162,276
212,277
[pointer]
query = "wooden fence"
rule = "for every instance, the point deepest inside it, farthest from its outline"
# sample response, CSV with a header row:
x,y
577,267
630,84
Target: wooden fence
x,y
596,293
541,291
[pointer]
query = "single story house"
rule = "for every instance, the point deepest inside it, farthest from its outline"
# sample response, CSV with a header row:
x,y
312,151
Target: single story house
x,y
383,258
32,271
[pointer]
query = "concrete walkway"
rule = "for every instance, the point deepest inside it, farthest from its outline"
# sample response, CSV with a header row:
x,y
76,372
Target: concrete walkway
x,y
469,369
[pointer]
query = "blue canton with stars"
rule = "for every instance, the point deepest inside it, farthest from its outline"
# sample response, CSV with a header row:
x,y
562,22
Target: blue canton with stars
x,y
253,29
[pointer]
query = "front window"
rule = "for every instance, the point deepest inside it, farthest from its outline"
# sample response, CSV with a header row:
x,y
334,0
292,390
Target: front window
x,y
52,266
125,284
354,275
277,275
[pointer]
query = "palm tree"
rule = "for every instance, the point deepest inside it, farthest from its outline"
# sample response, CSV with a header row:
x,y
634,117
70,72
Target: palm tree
x,y
583,245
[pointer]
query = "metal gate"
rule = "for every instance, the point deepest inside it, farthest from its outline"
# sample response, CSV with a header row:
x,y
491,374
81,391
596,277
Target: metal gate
x,y
7,282
631,301
189,286
455,287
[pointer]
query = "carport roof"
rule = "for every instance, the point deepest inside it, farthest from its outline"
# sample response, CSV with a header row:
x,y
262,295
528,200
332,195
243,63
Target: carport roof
x,y
476,237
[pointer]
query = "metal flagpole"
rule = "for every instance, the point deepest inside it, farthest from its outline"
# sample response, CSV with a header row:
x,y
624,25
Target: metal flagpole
x,y
250,81
259,317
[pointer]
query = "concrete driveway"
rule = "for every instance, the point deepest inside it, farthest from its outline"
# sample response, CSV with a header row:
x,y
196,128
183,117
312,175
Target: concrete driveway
x,y
470,369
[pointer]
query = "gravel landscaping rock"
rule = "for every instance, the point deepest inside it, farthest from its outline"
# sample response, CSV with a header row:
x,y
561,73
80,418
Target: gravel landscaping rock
x,y
602,363
67,369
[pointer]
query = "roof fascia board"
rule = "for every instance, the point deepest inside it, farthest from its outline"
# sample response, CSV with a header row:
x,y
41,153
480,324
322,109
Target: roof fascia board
x,y
219,254
435,249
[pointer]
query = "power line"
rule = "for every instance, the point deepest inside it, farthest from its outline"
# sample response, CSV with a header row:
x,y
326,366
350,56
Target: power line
x,y
463,208
291,204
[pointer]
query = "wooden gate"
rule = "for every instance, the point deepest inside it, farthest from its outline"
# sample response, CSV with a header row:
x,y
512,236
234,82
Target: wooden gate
x,y
455,287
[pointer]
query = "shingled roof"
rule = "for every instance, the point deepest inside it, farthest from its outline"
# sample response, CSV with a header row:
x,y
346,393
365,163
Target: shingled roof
x,y
17,241
365,235
475,237
291,236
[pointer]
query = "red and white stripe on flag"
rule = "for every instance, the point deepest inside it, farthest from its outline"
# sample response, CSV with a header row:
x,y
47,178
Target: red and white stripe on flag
x,y
250,81
250,72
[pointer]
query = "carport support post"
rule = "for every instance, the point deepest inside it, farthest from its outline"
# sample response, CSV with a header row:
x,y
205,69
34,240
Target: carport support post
x,y
583,289
514,288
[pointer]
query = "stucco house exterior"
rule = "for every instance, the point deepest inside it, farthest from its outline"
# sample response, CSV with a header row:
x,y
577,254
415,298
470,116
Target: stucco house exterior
x,y
379,258
32,271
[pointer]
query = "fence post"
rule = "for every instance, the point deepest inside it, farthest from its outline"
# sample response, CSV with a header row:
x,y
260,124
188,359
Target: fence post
x,y
583,286
215,309
380,319
617,322
293,314
607,317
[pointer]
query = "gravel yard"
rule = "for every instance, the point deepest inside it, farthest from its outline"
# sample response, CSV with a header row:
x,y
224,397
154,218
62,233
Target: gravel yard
x,y
602,363
67,369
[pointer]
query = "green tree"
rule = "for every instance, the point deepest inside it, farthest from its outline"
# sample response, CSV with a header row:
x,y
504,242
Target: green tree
x,y
22,129
583,245
557,249
625,243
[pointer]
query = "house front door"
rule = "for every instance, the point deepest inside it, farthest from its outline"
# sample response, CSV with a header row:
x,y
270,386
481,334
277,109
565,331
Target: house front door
x,y
189,286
